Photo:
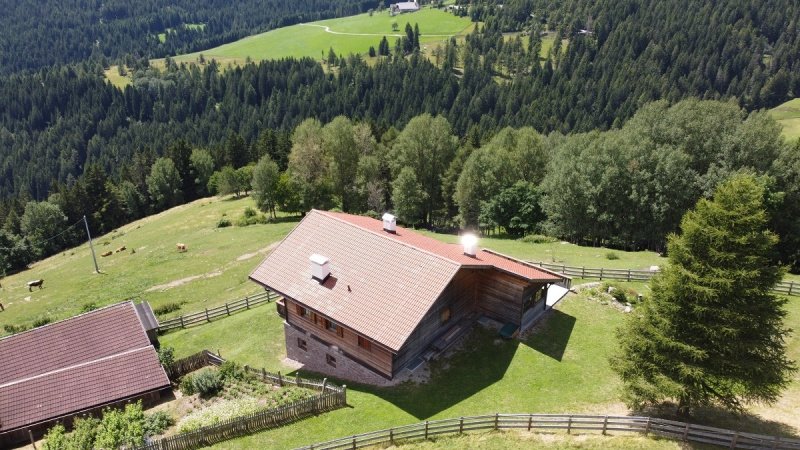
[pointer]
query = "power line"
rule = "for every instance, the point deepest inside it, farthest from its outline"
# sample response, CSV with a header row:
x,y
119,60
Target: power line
x,y
42,241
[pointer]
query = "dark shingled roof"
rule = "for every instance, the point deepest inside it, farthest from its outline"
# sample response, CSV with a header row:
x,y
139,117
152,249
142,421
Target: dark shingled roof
x,y
76,364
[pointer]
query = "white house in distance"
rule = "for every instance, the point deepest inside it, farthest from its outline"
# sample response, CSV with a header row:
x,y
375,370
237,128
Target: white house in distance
x,y
404,7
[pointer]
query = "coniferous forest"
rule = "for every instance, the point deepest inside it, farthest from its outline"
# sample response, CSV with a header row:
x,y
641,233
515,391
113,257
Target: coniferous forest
x,y
640,108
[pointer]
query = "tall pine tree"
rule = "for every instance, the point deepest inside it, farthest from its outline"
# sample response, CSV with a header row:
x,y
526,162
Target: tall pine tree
x,y
712,333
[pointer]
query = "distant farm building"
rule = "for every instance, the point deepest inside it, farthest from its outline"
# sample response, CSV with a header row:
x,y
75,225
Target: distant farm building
x,y
366,300
403,7
76,367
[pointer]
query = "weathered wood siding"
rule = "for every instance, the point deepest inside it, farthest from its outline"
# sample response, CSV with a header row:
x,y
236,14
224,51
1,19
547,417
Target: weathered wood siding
x,y
500,296
459,296
377,357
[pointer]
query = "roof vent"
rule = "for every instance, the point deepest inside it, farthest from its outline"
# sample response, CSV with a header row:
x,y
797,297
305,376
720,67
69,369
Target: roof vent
x,y
470,243
320,268
389,223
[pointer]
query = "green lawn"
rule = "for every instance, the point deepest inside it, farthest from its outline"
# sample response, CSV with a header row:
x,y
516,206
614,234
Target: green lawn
x,y
213,270
788,115
566,253
314,41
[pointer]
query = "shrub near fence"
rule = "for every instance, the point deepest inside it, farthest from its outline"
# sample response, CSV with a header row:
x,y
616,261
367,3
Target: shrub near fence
x,y
532,422
330,397
783,287
214,313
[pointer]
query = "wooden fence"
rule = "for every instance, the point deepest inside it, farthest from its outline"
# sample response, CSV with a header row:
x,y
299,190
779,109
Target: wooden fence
x,y
783,287
579,423
214,313
330,397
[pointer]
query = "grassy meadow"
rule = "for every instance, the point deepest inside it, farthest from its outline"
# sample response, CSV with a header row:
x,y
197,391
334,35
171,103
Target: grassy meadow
x,y
213,270
788,115
354,34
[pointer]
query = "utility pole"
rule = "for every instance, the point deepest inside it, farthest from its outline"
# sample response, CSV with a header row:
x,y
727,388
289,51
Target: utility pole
x,y
91,246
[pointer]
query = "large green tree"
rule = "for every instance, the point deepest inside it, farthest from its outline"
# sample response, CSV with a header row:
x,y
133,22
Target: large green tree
x,y
309,166
712,333
164,184
426,146
266,178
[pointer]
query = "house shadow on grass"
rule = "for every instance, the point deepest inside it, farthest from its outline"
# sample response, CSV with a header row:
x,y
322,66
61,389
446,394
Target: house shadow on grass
x,y
551,335
480,361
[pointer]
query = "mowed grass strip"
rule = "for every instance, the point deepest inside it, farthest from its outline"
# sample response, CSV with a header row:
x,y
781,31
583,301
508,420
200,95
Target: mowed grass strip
x,y
312,39
213,271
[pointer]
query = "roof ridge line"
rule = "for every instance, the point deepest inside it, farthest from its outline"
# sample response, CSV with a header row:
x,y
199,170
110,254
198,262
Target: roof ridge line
x,y
67,319
383,236
74,366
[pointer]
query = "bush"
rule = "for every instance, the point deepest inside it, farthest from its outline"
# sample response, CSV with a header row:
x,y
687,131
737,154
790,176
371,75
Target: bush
x,y
55,439
91,306
187,385
250,212
167,308
620,295
230,370
251,220
612,256
207,382
41,321
166,356
119,428
223,223
157,422
538,239
84,433
9,328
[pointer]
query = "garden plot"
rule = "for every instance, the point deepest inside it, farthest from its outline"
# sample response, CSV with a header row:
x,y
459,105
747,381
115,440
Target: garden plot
x,y
213,395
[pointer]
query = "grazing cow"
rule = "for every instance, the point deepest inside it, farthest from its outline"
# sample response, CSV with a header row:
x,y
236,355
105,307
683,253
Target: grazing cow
x,y
39,282
121,249
181,247
108,253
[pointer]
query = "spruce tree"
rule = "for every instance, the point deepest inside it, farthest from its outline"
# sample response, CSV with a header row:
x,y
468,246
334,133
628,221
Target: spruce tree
x,y
712,333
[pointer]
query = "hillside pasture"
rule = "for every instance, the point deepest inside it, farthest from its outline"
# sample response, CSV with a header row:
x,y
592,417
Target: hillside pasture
x,y
788,115
353,34
213,271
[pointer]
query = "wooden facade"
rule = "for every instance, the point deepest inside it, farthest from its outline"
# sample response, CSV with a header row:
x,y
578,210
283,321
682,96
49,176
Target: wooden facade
x,y
471,292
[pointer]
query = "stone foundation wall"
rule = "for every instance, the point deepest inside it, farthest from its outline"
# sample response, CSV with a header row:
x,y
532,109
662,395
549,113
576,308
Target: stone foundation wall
x,y
315,359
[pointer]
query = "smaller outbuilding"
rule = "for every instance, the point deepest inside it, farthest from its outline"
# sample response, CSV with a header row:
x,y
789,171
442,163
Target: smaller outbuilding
x,y
76,367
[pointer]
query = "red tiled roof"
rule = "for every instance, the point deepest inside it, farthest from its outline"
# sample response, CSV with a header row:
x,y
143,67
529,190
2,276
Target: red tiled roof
x,y
381,284
68,366
453,252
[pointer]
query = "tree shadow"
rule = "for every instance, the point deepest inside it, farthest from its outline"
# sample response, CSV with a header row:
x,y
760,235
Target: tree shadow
x,y
722,418
551,335
479,361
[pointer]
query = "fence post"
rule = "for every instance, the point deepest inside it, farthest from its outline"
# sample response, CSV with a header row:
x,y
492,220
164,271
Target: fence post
x,y
461,425
391,436
496,420
324,384
629,274
354,442
647,426
776,442
207,318
605,424
685,432
426,430
601,274
569,424
227,310
583,272
280,377
247,302
530,421
182,325
791,285
735,440
344,393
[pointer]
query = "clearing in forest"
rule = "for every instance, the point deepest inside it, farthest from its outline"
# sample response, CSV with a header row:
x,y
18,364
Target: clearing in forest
x,y
353,34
